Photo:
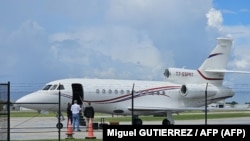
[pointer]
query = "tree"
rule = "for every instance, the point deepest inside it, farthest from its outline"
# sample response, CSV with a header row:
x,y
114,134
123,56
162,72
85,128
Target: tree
x,y
232,104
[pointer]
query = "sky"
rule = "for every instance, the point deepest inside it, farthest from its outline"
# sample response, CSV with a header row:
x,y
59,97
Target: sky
x,y
45,40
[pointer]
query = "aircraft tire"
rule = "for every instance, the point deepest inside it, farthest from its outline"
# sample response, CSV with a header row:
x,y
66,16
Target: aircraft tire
x,y
165,122
137,121
59,125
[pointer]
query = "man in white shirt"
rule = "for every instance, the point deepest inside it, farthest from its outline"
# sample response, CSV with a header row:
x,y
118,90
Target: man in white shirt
x,y
75,109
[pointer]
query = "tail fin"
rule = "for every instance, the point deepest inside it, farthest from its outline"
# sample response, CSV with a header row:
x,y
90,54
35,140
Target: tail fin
x,y
218,58
212,70
214,67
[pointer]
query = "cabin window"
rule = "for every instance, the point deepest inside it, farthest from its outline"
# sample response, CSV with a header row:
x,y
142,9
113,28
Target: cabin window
x,y
122,91
103,91
61,87
110,91
116,91
128,91
97,91
47,87
54,87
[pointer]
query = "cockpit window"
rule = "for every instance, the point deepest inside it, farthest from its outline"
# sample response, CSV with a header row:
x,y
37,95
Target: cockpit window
x,y
46,87
61,87
53,87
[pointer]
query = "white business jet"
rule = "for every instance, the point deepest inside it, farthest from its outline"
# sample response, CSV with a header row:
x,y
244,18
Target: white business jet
x,y
186,90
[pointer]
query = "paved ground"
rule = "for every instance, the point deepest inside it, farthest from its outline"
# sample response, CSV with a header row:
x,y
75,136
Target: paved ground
x,y
45,127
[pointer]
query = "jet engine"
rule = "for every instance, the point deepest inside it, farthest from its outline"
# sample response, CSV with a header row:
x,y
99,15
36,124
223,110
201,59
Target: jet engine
x,y
197,91
180,75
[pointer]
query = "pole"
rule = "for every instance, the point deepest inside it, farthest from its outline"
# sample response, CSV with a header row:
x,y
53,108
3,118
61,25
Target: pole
x,y
8,107
59,113
206,105
132,93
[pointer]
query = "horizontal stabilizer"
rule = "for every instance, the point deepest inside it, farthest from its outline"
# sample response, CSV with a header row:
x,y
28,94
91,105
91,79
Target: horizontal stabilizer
x,y
164,109
226,71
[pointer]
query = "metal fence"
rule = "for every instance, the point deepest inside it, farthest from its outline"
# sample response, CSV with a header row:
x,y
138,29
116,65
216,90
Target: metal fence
x,y
4,111
41,127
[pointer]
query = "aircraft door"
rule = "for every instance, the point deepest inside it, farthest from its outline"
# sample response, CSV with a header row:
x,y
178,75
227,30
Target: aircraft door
x,y
78,93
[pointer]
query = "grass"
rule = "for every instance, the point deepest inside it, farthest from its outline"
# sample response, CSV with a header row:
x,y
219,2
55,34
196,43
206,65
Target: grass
x,y
108,118
212,115
32,113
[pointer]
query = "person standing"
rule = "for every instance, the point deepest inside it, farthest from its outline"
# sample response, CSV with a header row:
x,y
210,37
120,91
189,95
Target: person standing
x,y
69,114
89,112
75,108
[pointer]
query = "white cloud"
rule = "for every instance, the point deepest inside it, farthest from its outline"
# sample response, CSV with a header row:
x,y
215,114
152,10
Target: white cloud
x,y
119,43
161,13
129,39
242,64
241,57
226,11
240,53
245,10
239,32
143,33
214,19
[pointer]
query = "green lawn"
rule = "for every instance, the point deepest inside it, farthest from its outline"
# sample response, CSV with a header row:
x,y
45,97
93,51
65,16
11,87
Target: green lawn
x,y
109,118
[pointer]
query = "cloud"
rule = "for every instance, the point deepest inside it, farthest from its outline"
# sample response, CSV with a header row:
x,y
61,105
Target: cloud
x,y
240,33
132,39
80,38
22,49
119,44
214,19
240,53
245,10
242,63
241,57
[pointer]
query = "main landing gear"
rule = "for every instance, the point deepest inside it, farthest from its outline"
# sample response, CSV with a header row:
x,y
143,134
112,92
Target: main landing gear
x,y
137,121
60,117
166,121
169,120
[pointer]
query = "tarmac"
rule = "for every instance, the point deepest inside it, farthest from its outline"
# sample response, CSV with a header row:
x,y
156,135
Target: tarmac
x,y
37,128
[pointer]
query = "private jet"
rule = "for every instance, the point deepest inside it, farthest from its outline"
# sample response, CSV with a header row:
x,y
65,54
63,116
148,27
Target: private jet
x,y
185,90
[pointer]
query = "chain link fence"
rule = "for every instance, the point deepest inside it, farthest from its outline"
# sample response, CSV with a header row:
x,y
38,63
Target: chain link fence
x,y
4,111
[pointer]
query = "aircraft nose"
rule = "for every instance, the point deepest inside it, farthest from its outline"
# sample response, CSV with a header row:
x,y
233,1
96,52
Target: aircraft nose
x,y
24,99
20,100
38,100
27,101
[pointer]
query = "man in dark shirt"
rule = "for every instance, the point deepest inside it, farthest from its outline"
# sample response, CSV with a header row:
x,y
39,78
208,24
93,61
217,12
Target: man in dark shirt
x,y
89,112
69,113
